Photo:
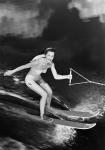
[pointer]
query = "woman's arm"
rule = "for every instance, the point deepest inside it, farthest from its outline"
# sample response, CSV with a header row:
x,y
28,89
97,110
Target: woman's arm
x,y
58,76
10,72
22,67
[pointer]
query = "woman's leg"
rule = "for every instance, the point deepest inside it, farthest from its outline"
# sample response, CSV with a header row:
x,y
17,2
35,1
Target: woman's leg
x,y
48,89
36,88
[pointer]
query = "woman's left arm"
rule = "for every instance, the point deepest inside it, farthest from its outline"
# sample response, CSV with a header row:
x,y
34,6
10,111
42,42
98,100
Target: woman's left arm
x,y
58,76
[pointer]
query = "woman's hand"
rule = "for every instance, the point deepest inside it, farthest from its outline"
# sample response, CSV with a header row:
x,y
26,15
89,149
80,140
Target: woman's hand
x,y
69,77
8,73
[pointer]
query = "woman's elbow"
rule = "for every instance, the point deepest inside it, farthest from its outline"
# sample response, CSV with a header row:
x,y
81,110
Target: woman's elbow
x,y
55,77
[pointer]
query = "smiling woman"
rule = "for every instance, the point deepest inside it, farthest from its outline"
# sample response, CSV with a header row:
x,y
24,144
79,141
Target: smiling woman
x,y
34,80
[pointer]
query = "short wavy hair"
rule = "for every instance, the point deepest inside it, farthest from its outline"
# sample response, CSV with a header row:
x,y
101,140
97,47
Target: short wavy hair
x,y
49,49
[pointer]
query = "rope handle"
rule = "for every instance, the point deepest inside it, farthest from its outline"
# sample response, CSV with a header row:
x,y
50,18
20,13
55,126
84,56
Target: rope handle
x,y
87,80
70,77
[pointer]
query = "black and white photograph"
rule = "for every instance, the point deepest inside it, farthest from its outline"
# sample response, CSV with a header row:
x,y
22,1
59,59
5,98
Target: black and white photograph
x,y
52,74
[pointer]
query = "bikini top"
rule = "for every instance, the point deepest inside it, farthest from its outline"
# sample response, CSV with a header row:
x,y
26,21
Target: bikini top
x,y
41,64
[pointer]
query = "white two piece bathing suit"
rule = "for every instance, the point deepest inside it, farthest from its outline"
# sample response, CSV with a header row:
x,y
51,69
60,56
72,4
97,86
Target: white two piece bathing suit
x,y
39,65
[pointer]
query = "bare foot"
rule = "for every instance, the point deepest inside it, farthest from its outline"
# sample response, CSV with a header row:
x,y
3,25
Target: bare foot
x,y
49,107
48,119
41,117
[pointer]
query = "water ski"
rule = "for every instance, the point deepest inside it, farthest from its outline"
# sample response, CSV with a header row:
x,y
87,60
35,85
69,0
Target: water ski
x,y
72,124
58,113
73,115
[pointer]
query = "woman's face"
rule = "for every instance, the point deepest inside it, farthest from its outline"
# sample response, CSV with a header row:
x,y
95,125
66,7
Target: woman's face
x,y
50,55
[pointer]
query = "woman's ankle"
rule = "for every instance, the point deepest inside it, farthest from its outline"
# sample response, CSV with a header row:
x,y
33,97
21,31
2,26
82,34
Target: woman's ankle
x,y
41,116
48,106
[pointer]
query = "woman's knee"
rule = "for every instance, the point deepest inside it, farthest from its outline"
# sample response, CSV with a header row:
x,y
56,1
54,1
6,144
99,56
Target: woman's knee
x,y
44,94
50,92
28,82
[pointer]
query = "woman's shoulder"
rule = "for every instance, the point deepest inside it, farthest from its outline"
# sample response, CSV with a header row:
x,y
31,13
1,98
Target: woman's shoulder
x,y
38,57
42,59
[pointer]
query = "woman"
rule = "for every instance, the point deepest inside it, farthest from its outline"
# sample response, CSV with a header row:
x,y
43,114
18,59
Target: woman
x,y
33,79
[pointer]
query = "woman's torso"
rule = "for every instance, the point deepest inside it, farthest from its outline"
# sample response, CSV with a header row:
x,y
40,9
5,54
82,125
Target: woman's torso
x,y
39,66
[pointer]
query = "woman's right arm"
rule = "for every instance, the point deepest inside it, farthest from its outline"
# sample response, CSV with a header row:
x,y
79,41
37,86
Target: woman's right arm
x,y
10,72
